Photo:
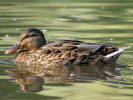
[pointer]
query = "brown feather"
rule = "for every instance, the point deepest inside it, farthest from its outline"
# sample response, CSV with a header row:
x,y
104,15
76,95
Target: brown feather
x,y
62,52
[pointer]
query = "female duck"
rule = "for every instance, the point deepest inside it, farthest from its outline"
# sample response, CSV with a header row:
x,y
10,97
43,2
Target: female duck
x,y
33,50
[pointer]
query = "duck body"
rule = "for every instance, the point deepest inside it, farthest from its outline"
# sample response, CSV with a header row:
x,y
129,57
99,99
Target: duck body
x,y
33,50
66,52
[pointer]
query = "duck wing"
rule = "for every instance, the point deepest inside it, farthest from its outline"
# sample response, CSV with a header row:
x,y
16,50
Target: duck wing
x,y
75,52
66,45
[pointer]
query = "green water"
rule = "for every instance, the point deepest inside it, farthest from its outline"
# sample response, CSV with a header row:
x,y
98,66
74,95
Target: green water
x,y
103,21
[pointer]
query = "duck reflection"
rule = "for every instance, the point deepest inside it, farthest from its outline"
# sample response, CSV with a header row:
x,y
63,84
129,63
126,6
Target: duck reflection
x,y
31,78
27,80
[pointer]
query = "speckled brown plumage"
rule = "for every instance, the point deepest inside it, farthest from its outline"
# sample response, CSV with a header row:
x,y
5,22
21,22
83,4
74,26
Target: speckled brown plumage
x,y
33,50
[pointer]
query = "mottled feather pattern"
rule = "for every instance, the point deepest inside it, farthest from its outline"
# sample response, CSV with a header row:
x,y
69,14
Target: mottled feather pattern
x,y
65,52
33,50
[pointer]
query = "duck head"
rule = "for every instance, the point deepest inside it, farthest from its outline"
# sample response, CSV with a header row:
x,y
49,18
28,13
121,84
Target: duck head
x,y
30,40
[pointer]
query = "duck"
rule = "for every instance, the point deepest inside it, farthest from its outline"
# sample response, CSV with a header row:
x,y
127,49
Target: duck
x,y
33,50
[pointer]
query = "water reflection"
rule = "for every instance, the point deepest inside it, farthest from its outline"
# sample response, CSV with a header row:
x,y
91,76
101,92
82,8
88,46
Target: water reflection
x,y
27,81
32,78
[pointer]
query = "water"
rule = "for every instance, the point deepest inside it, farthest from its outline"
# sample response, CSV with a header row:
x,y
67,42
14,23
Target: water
x,y
104,21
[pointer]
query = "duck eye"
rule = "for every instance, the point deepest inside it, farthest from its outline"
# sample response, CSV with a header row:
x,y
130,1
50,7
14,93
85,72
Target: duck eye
x,y
21,46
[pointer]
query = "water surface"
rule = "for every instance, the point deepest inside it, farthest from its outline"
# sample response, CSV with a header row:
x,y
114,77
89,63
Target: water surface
x,y
103,21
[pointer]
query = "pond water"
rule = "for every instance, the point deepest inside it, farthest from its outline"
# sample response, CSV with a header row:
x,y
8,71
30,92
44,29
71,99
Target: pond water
x,y
103,21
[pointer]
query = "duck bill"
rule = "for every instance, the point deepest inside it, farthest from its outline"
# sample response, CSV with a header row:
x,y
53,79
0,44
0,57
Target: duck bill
x,y
13,49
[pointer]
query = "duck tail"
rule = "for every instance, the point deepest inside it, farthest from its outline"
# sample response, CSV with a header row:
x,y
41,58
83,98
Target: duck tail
x,y
117,52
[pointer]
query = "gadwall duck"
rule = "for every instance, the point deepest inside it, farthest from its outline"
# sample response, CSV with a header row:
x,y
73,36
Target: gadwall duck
x,y
33,50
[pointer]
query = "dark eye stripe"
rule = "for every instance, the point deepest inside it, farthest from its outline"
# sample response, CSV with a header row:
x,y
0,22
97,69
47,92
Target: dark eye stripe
x,y
30,36
27,36
33,35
